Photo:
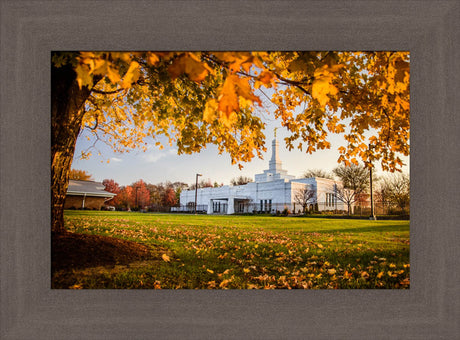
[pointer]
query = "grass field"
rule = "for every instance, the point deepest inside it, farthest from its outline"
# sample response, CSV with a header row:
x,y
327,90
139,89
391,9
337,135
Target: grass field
x,y
244,252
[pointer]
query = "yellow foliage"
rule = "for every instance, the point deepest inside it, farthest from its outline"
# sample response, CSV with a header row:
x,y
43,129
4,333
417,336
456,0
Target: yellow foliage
x,y
189,64
322,88
131,75
365,90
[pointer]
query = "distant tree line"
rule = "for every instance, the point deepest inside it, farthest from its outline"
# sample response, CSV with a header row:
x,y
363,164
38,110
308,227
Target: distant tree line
x,y
150,197
392,190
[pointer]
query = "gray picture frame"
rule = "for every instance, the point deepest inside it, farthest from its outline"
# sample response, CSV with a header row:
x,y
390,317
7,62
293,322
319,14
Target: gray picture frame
x,y
30,30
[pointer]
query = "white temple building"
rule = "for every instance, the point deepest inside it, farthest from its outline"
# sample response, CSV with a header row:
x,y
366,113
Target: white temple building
x,y
273,190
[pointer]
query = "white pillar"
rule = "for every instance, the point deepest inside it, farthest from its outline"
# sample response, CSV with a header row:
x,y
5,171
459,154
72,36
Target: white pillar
x,y
210,207
231,206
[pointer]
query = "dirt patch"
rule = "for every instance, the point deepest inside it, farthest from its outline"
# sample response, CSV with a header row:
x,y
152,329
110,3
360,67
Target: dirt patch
x,y
77,251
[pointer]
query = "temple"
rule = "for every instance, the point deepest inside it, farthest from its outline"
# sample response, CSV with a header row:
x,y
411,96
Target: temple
x,y
272,191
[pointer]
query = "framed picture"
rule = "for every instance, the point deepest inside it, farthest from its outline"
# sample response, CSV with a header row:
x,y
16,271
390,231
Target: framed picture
x,y
31,31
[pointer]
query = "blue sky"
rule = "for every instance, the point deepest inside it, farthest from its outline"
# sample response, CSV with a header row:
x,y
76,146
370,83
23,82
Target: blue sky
x,y
155,166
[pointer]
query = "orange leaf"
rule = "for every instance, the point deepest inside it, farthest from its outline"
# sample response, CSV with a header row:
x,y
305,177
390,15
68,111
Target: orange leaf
x,y
152,58
131,75
177,67
195,69
244,90
228,100
189,64
265,77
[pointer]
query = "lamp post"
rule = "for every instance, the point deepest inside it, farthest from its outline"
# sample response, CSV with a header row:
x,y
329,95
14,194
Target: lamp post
x,y
372,217
137,204
196,189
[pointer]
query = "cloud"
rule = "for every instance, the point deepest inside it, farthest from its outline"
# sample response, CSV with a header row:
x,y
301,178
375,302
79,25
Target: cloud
x,y
115,159
153,156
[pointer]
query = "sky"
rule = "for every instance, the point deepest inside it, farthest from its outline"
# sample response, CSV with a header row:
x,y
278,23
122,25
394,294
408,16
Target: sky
x,y
157,166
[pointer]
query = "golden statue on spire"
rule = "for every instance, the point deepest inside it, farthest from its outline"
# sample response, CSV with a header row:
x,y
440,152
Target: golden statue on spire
x,y
275,131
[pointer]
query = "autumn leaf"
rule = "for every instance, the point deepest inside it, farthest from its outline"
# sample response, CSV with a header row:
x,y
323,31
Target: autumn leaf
x,y
232,90
189,64
83,76
113,75
321,88
243,89
406,281
165,258
76,286
152,58
209,113
266,77
131,75
195,69
224,283
228,99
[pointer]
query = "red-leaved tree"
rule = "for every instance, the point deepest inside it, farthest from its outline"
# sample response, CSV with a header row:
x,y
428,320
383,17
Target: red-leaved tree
x,y
169,198
113,187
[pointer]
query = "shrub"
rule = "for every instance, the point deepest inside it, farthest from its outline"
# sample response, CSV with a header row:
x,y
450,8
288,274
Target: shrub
x,y
286,212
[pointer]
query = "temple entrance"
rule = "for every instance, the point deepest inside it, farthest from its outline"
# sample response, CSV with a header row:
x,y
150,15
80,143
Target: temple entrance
x,y
219,206
242,206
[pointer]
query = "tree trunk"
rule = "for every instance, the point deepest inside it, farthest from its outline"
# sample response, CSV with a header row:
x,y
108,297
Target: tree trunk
x,y
67,110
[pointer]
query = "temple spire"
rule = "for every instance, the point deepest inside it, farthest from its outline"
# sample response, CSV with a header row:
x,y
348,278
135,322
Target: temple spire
x,y
275,170
275,162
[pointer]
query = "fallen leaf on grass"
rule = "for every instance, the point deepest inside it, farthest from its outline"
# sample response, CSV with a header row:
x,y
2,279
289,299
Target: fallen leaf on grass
x,y
406,281
76,286
165,258
364,275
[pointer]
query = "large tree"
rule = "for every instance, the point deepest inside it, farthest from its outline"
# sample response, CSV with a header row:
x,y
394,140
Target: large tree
x,y
317,173
354,182
113,187
199,98
241,180
395,190
304,197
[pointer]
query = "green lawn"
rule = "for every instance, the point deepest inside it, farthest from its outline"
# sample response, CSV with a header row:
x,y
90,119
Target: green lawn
x,y
246,252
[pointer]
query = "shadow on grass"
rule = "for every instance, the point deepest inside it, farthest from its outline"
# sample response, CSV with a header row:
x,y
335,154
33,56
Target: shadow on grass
x,y
77,251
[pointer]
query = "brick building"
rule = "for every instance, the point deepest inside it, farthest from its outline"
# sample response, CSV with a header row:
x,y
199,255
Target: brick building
x,y
86,194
